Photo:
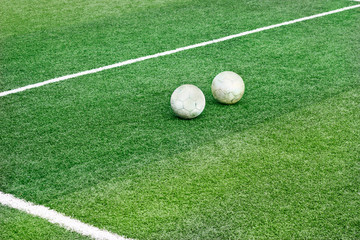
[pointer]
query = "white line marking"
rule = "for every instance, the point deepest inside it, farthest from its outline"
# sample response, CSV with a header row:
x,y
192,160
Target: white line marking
x,y
57,218
172,51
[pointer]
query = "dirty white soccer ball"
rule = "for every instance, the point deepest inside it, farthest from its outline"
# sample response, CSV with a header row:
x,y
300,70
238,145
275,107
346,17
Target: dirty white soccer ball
x,y
228,87
187,101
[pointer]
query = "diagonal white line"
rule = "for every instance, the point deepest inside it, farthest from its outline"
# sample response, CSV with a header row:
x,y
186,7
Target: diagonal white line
x,y
58,218
131,61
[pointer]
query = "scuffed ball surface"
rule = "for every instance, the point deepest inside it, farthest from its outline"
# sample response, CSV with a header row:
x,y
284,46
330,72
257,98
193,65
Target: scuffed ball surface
x,y
228,87
187,101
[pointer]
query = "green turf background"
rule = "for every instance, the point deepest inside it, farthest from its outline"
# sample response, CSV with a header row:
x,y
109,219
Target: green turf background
x,y
19,225
63,37
106,149
288,178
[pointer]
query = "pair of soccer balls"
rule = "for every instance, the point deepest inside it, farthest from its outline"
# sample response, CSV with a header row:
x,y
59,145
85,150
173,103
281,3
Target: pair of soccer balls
x,y
188,101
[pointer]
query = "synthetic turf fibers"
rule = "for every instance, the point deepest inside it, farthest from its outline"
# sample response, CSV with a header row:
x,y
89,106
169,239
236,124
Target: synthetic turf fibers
x,y
20,225
57,218
288,178
75,38
106,149
174,51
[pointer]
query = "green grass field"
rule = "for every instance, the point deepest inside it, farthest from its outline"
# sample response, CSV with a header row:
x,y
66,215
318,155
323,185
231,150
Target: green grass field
x,y
106,149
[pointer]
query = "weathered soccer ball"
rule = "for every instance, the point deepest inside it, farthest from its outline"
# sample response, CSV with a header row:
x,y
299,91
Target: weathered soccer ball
x,y
228,87
187,101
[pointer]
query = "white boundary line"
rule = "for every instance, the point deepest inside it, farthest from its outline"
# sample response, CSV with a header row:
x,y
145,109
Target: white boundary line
x,y
127,62
57,218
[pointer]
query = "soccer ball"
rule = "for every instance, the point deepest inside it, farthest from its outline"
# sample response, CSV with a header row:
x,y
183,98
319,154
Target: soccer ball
x,y
187,101
228,87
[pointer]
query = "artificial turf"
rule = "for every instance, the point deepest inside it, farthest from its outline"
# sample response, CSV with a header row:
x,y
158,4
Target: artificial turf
x,y
20,225
105,148
293,177
63,37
